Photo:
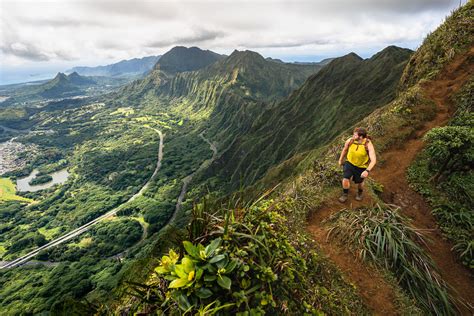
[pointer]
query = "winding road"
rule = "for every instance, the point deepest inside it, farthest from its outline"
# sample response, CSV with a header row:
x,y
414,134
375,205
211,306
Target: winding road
x,y
87,226
188,178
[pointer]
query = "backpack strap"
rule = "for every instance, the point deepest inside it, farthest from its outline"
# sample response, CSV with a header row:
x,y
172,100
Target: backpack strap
x,y
366,145
351,141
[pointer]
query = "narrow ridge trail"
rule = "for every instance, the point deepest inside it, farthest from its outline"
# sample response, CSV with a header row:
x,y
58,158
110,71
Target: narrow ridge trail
x,y
392,175
377,294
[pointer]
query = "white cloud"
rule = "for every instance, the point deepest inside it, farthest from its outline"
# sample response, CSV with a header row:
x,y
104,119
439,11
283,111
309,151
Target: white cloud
x,y
89,31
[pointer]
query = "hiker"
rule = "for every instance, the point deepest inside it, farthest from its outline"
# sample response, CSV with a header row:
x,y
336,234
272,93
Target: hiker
x,y
359,162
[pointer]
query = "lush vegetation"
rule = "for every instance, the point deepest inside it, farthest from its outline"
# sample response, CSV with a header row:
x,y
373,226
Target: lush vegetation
x,y
41,179
105,240
110,150
443,173
454,36
8,190
248,260
37,288
260,257
314,114
382,235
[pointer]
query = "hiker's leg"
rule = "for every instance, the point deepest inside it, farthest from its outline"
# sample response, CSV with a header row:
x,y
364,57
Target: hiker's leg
x,y
345,190
346,180
360,190
346,183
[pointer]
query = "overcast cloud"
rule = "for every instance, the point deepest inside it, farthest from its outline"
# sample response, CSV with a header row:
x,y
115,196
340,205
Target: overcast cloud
x,y
89,32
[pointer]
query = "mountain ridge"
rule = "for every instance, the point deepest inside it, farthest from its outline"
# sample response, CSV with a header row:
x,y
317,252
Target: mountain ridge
x,y
132,66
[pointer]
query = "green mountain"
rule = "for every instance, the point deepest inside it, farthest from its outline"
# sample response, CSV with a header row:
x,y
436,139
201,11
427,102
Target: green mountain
x,y
227,94
250,106
206,230
135,66
338,96
76,79
180,59
63,85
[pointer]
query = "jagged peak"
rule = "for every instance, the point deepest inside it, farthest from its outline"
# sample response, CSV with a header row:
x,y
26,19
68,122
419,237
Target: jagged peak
x,y
244,57
180,59
245,53
187,50
74,74
348,58
60,75
352,56
392,51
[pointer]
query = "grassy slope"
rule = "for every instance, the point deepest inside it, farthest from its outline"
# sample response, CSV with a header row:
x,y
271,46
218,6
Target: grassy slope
x,y
348,89
452,197
7,191
316,173
398,119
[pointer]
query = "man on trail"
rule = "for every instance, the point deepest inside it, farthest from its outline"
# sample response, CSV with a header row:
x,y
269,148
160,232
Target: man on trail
x,y
359,162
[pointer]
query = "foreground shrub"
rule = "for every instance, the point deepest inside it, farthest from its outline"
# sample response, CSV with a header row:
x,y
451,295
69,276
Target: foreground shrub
x,y
249,260
382,235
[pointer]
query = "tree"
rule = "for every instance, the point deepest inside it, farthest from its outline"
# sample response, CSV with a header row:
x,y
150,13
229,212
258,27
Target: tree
x,y
450,149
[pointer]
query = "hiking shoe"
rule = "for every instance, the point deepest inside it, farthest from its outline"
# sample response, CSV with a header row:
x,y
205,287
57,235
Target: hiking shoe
x,y
343,197
359,196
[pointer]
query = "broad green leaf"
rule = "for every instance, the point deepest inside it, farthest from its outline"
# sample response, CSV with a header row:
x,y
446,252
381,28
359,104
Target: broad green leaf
x,y
204,292
178,283
212,247
191,249
217,258
179,269
224,282
222,263
183,302
209,278
187,264
173,256
161,270
199,273
231,266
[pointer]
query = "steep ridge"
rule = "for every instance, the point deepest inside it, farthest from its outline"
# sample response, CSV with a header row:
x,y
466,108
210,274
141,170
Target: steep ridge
x,y
178,59
339,95
448,74
124,67
246,74
228,93
397,191
181,59
63,85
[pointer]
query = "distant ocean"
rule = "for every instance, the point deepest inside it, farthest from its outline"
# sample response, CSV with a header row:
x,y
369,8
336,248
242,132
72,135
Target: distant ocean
x,y
31,72
10,76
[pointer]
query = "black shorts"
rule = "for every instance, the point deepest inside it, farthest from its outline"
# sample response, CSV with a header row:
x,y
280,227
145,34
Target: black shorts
x,y
351,171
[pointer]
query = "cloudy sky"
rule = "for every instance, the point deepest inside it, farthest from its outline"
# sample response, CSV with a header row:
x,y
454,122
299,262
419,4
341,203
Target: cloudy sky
x,y
37,36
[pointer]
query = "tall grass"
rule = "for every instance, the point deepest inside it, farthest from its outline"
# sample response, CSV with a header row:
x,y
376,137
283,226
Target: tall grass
x,y
381,234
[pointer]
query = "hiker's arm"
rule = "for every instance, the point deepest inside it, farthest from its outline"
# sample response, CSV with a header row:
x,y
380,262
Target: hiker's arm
x,y
344,152
373,160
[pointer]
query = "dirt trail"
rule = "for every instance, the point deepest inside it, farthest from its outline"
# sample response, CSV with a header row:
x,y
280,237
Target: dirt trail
x,y
396,190
377,294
